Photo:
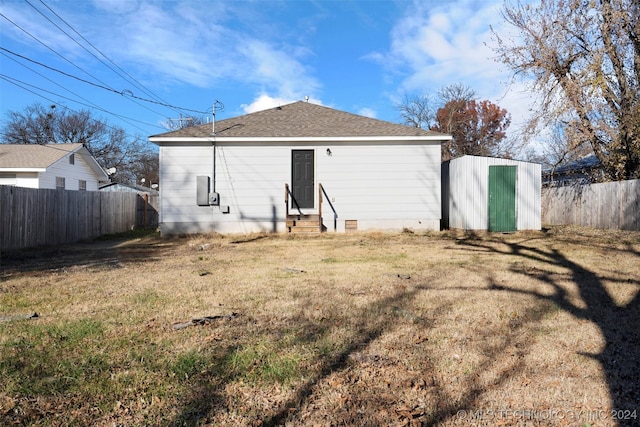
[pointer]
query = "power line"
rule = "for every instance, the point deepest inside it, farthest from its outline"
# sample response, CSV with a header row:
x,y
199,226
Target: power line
x,y
125,92
103,86
136,82
96,106
13,81
33,88
53,50
49,48
66,108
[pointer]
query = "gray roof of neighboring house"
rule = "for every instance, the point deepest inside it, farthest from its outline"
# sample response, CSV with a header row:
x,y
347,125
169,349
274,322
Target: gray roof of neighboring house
x,y
33,155
37,156
116,186
587,162
301,120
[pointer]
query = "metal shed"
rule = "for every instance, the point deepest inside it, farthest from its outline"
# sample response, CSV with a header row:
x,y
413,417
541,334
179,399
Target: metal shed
x,y
486,193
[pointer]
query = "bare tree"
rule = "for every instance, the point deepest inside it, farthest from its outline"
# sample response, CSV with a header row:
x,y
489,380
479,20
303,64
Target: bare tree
x,y
35,125
584,59
147,166
110,145
183,122
456,92
417,111
420,110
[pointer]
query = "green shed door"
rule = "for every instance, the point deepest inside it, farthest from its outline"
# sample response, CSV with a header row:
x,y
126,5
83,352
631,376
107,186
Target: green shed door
x,y
502,198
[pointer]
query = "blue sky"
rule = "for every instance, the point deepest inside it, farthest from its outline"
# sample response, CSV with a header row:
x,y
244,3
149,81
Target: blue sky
x,y
143,62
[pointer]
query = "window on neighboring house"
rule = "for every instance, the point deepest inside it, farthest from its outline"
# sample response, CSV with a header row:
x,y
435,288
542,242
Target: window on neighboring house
x,y
72,159
59,183
82,185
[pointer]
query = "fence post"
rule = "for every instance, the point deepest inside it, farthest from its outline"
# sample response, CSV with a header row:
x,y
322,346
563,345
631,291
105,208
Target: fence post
x,y
144,215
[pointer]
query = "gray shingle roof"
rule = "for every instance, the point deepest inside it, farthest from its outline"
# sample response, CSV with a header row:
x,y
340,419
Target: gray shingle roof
x,y
300,120
33,155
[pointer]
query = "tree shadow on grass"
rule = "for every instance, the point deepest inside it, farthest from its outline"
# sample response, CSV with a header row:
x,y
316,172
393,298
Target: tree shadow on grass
x,y
380,317
360,339
105,253
618,323
208,397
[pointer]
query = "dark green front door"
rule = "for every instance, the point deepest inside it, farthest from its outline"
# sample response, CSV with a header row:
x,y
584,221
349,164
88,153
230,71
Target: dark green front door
x,y
302,178
502,198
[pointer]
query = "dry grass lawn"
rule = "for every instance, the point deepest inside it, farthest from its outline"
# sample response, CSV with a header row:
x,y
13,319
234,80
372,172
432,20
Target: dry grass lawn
x,y
537,328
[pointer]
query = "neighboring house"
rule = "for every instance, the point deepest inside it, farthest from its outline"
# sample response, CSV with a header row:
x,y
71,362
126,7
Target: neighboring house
x,y
262,172
52,166
486,193
585,170
148,202
130,188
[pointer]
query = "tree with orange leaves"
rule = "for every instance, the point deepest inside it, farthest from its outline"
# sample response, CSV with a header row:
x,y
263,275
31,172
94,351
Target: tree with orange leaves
x,y
478,128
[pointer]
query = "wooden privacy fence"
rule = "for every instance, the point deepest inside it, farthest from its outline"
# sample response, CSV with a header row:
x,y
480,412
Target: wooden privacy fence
x,y
613,205
147,211
34,217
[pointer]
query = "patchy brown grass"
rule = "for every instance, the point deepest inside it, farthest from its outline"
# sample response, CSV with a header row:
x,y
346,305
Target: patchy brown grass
x,y
444,328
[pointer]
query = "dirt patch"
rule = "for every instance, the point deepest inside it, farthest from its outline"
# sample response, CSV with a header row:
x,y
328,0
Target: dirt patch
x,y
536,328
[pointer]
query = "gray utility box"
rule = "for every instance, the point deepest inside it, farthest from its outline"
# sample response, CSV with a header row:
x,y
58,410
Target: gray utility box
x,y
202,190
203,196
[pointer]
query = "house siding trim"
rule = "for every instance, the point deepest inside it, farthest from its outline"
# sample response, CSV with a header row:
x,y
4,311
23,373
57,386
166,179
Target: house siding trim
x,y
266,140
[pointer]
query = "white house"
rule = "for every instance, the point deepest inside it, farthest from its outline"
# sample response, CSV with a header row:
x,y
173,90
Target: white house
x,y
296,166
487,193
53,166
129,188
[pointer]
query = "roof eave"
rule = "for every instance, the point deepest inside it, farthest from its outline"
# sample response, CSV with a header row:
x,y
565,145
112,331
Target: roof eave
x,y
16,170
93,164
159,140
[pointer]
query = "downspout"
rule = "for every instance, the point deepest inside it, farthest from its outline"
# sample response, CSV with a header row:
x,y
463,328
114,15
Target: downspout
x,y
213,176
213,143
217,105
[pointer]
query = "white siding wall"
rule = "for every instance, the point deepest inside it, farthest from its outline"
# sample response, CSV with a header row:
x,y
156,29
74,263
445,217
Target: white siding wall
x,y
467,193
179,167
72,173
27,179
7,179
380,186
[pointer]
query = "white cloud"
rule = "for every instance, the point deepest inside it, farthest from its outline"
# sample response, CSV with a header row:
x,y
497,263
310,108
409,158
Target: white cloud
x,y
116,6
278,70
27,26
202,44
175,44
367,112
264,101
444,45
435,46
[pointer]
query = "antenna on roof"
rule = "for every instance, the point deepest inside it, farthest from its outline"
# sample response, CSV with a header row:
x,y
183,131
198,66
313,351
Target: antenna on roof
x,y
217,105
180,121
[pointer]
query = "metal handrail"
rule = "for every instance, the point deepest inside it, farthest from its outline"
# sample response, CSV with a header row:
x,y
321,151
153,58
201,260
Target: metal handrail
x,y
287,193
335,214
